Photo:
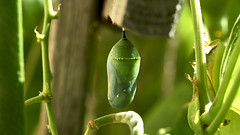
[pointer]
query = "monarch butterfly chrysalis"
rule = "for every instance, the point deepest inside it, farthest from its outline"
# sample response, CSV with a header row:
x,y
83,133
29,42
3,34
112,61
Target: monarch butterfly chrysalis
x,y
123,65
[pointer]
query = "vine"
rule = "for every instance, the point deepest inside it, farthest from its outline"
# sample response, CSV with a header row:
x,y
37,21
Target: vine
x,y
43,38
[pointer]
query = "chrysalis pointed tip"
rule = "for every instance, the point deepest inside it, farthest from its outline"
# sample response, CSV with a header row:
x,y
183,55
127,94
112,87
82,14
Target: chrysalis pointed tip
x,y
123,34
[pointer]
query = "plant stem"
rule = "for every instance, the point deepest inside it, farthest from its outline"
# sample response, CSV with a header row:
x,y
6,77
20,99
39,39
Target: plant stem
x,y
34,100
230,45
52,125
201,73
88,130
208,117
49,14
212,128
47,76
131,118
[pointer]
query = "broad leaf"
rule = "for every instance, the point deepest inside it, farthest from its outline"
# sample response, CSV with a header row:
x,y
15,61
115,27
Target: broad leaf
x,y
11,68
230,126
194,115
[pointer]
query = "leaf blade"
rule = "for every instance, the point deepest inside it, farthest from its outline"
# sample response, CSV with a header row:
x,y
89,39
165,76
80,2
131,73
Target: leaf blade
x,y
11,68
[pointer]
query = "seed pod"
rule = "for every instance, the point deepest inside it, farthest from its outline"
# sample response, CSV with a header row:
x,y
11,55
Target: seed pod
x,y
123,65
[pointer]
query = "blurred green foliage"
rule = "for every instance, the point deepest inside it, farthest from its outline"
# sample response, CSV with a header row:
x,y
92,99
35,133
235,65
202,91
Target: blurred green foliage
x,y
11,68
159,106
32,17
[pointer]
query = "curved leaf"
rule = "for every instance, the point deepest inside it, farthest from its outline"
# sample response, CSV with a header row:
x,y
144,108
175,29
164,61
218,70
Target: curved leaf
x,y
235,33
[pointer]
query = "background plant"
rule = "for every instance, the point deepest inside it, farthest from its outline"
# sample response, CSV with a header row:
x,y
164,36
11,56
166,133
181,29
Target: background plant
x,y
11,68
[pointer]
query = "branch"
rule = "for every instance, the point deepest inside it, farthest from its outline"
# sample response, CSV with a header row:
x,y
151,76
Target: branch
x,y
132,119
49,14
34,100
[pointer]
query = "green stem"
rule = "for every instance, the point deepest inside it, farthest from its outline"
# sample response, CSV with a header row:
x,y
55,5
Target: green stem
x,y
34,100
47,76
49,14
52,126
88,130
201,73
212,128
132,119
208,117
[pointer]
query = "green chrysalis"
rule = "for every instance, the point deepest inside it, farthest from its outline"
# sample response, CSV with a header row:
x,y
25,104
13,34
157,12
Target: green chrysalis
x,y
123,65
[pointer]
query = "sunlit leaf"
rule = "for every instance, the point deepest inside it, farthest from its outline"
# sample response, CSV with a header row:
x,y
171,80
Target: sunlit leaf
x,y
230,126
235,33
194,115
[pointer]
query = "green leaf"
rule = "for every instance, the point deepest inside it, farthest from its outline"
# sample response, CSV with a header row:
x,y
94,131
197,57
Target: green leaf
x,y
214,58
11,68
194,115
231,124
230,46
